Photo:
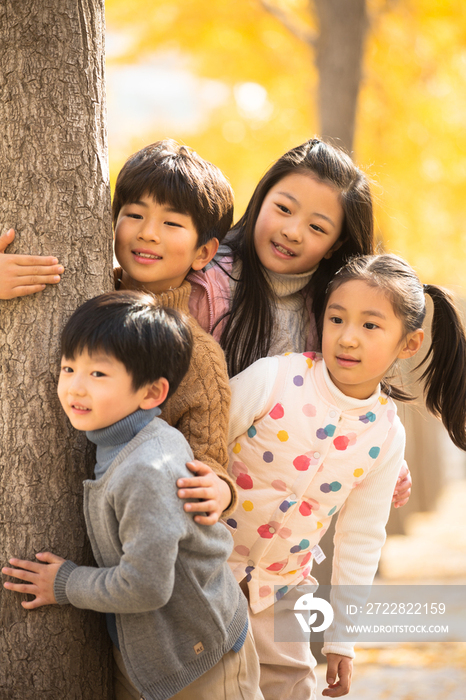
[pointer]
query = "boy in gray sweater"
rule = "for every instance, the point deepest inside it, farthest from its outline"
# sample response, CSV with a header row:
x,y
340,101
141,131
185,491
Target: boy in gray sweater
x,y
175,613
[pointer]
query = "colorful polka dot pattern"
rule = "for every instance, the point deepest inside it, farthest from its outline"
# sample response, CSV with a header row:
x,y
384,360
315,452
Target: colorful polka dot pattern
x,y
291,425
285,505
277,412
304,544
334,486
328,431
368,417
281,592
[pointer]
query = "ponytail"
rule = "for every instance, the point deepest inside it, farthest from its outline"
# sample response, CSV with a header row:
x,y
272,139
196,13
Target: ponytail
x,y
444,376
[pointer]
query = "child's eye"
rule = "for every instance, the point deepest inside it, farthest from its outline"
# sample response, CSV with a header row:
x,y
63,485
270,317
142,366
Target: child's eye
x,y
173,223
370,326
317,228
132,215
96,373
335,319
66,369
284,209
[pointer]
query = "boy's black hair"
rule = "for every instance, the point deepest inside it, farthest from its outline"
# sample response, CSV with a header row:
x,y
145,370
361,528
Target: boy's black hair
x,y
176,175
149,340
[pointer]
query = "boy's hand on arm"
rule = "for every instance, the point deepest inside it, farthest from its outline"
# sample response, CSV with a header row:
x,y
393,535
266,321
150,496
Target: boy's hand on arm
x,y
213,491
403,487
40,578
21,275
339,671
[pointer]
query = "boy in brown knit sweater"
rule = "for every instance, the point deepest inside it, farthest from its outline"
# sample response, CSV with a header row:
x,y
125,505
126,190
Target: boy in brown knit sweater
x,y
170,210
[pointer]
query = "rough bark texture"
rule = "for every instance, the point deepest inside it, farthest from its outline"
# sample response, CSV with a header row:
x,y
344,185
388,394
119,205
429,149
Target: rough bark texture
x,y
339,54
54,191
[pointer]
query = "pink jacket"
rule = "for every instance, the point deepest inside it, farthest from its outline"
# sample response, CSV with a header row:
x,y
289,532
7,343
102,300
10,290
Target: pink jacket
x,y
211,298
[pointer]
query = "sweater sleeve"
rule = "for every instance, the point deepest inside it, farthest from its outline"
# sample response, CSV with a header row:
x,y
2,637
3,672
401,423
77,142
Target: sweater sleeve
x,y
360,530
144,503
200,408
250,393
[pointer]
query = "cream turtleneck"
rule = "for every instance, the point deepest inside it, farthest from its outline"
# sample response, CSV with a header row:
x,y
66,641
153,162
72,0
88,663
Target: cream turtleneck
x,y
292,322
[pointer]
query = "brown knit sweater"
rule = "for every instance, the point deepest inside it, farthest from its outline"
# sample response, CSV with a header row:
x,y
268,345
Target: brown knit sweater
x,y
200,406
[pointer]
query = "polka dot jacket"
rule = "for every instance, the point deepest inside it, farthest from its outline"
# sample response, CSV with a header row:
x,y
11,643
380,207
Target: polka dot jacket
x,y
295,468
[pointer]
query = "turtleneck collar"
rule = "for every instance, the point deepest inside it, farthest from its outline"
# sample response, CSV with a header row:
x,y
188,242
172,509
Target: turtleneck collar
x,y
347,403
112,439
285,285
173,298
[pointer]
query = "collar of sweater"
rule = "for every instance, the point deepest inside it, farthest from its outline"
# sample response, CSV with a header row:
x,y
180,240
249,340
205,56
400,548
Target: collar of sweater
x,y
112,439
173,298
347,403
176,298
286,285
282,285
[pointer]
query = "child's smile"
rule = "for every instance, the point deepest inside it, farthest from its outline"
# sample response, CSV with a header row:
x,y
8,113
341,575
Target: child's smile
x,y
145,256
299,223
155,245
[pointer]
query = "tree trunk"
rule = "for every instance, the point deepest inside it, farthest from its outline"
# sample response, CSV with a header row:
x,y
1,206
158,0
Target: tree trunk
x,y
54,191
339,55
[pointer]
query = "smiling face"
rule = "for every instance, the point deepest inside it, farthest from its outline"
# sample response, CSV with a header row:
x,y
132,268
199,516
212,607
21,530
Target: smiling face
x,y
299,222
362,338
157,246
96,391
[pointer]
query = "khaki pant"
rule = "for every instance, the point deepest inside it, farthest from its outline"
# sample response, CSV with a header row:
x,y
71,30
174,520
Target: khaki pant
x,y
286,668
235,677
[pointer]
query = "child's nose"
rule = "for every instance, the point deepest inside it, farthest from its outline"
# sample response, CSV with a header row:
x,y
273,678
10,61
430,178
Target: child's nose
x,y
292,231
348,337
149,232
77,387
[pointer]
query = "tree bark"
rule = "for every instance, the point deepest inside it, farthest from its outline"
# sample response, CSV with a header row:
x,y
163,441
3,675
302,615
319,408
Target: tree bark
x,y
339,55
54,191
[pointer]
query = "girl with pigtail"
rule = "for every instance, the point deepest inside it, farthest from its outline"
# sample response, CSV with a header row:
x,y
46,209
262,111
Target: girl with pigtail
x,y
312,436
444,375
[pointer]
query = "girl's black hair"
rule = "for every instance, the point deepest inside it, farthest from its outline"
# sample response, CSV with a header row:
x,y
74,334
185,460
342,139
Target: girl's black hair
x,y
248,330
444,376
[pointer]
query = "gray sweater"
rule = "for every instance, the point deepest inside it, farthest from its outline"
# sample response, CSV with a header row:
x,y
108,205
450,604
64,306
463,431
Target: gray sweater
x,y
178,607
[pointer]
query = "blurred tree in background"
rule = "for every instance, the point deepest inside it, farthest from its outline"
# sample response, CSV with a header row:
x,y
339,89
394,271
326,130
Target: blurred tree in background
x,y
238,81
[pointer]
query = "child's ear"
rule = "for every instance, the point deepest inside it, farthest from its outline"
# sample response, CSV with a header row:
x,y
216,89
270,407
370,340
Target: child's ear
x,y
411,344
156,394
333,249
205,254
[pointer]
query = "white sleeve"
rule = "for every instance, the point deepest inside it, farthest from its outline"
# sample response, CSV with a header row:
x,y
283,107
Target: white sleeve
x,y
360,529
250,394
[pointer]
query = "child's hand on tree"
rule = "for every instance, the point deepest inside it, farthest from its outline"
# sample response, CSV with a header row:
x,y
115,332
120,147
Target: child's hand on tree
x,y
213,491
339,671
21,275
40,578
